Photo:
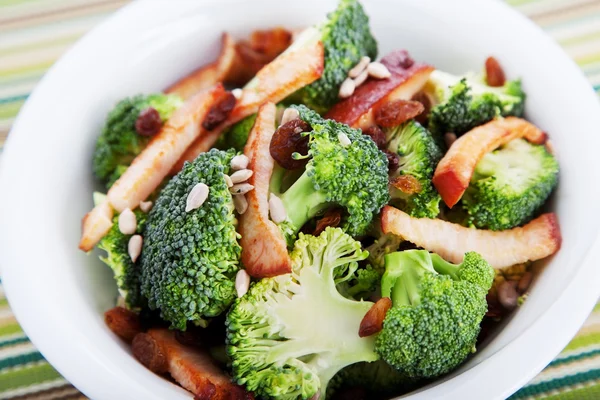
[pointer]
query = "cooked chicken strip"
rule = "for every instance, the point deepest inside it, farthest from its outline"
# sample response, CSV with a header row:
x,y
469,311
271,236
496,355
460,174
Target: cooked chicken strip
x,y
192,368
264,251
454,171
538,239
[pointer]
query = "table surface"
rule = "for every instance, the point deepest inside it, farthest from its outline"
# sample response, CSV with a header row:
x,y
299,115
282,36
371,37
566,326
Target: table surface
x,y
34,34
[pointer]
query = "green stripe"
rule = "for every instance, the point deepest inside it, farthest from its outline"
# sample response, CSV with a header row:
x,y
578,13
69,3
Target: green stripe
x,y
27,376
578,39
583,341
588,392
22,70
555,384
13,342
3,302
66,40
575,357
21,359
9,110
4,3
12,99
10,329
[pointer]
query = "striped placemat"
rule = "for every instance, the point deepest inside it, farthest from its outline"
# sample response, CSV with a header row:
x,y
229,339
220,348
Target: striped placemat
x,y
34,33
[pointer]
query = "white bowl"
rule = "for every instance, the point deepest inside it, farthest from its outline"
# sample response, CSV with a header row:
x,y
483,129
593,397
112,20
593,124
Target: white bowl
x,y
59,294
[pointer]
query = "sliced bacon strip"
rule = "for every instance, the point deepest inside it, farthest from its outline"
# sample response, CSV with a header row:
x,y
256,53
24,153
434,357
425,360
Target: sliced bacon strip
x,y
358,109
123,322
153,164
264,250
95,225
208,75
454,171
538,239
192,368
292,70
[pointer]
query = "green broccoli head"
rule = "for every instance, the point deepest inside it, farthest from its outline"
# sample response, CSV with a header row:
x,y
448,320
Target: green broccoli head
x,y
437,308
346,37
360,283
463,103
353,175
274,352
236,136
119,143
509,185
126,272
190,259
419,156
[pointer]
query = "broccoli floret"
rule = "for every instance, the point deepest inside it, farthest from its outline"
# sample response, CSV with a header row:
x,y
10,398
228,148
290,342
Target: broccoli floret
x,y
419,155
236,136
119,143
360,284
289,335
436,311
378,378
190,259
354,176
126,272
462,103
509,185
346,37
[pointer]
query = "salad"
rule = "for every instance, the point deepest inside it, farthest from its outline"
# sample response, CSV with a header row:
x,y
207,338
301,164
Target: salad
x,y
301,219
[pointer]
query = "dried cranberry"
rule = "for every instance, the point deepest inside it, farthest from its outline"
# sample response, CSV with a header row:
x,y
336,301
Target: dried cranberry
x,y
287,140
406,61
377,135
331,218
219,111
425,100
148,122
393,160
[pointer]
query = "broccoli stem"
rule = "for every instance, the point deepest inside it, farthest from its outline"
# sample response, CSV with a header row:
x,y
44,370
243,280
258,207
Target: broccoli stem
x,y
302,201
443,267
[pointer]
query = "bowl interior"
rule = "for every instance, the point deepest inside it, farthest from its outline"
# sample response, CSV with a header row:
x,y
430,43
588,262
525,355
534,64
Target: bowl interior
x,y
59,293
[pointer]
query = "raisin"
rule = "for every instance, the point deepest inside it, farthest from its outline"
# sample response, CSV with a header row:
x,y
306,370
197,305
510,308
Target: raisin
x,y
406,61
372,322
331,218
219,111
397,112
148,122
406,184
494,73
377,135
425,100
393,160
287,140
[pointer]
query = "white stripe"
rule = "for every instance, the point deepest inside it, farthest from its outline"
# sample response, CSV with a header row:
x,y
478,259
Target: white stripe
x,y
5,312
17,89
26,59
33,388
584,49
594,318
561,371
571,31
26,9
538,7
17,350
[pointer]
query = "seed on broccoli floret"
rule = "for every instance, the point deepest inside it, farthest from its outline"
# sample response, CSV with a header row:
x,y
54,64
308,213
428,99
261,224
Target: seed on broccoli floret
x,y
353,176
126,272
419,155
289,335
509,185
119,143
346,37
437,308
462,103
190,259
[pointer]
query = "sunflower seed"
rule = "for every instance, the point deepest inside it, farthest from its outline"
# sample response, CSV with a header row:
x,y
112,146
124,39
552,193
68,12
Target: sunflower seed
x,y
134,247
228,180
127,222
239,162
196,197
347,88
276,209
360,67
242,282
241,176
240,203
146,206
378,71
359,80
289,114
237,93
344,139
241,188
